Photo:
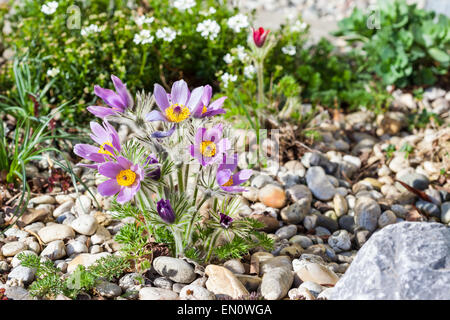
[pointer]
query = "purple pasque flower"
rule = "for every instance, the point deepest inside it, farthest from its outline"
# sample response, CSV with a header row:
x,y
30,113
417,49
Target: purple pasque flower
x,y
208,145
165,210
108,140
155,172
225,221
207,109
176,107
125,179
226,179
119,101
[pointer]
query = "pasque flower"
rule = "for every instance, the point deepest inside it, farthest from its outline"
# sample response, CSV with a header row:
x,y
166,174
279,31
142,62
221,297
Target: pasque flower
x,y
119,101
125,179
155,172
165,210
109,144
259,36
225,221
226,179
174,108
205,109
209,146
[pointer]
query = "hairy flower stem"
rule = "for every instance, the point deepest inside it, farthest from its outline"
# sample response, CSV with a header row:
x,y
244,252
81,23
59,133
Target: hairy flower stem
x,y
179,249
212,245
260,76
180,179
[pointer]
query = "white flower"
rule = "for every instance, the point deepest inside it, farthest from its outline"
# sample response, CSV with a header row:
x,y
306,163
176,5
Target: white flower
x,y
228,58
242,55
249,71
299,26
208,29
53,72
166,33
143,37
184,4
49,8
238,22
226,78
210,11
289,50
143,19
93,28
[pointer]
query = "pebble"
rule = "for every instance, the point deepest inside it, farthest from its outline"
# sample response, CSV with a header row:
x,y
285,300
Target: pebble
x,y
312,287
235,266
310,271
271,223
194,292
150,293
340,205
276,283
10,249
272,196
76,247
286,232
300,293
428,208
304,241
56,232
85,259
163,282
251,194
445,212
319,184
367,212
44,199
222,281
85,224
108,289
62,198
62,208
347,222
413,179
16,261
21,273
83,205
101,235
175,269
296,212
398,163
340,241
54,250
297,192
388,217
261,180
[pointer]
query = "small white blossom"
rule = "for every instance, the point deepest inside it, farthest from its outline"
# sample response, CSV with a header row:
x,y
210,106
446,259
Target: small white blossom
x,y
93,28
143,37
249,71
299,26
242,55
184,4
208,12
143,20
238,22
226,78
289,50
166,33
228,58
53,72
208,29
50,8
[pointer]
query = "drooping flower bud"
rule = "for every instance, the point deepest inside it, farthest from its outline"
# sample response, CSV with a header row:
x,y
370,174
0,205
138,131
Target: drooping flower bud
x,y
165,210
155,173
259,36
225,221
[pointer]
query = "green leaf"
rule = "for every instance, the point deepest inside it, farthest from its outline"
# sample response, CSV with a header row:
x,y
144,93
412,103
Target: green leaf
x,y
439,55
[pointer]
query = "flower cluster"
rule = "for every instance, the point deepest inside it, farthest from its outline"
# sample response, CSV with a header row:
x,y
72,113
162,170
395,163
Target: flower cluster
x,y
209,29
50,7
238,22
93,28
143,37
167,34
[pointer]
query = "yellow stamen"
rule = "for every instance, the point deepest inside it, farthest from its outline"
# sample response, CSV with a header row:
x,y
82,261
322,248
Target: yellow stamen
x,y
102,149
204,109
126,178
177,113
229,183
208,148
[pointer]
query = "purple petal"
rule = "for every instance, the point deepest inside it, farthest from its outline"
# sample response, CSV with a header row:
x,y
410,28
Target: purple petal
x,y
214,134
163,134
110,169
109,187
217,103
121,89
180,92
161,97
101,112
155,115
84,150
199,136
125,195
124,163
242,176
233,189
111,98
114,135
222,146
223,176
228,162
207,94
210,113
195,97
99,134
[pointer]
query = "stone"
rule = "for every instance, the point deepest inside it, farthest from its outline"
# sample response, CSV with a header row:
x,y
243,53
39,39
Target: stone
x,y
108,289
272,196
403,261
257,259
314,288
222,281
85,259
193,292
340,205
83,205
17,293
340,241
287,232
31,216
251,283
367,212
62,208
321,231
85,224
175,269
296,212
261,180
250,194
54,250
150,293
347,222
361,237
388,217
56,232
16,261
428,208
10,249
304,241
101,235
21,273
76,247
297,192
235,266
315,220
319,184
293,251
445,212
398,163
163,282
300,293
276,283
413,179
311,271
44,199
271,223
320,160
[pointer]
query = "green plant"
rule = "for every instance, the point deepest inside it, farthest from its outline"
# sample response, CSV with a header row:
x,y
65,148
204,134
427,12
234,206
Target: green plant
x,y
407,149
410,47
390,151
